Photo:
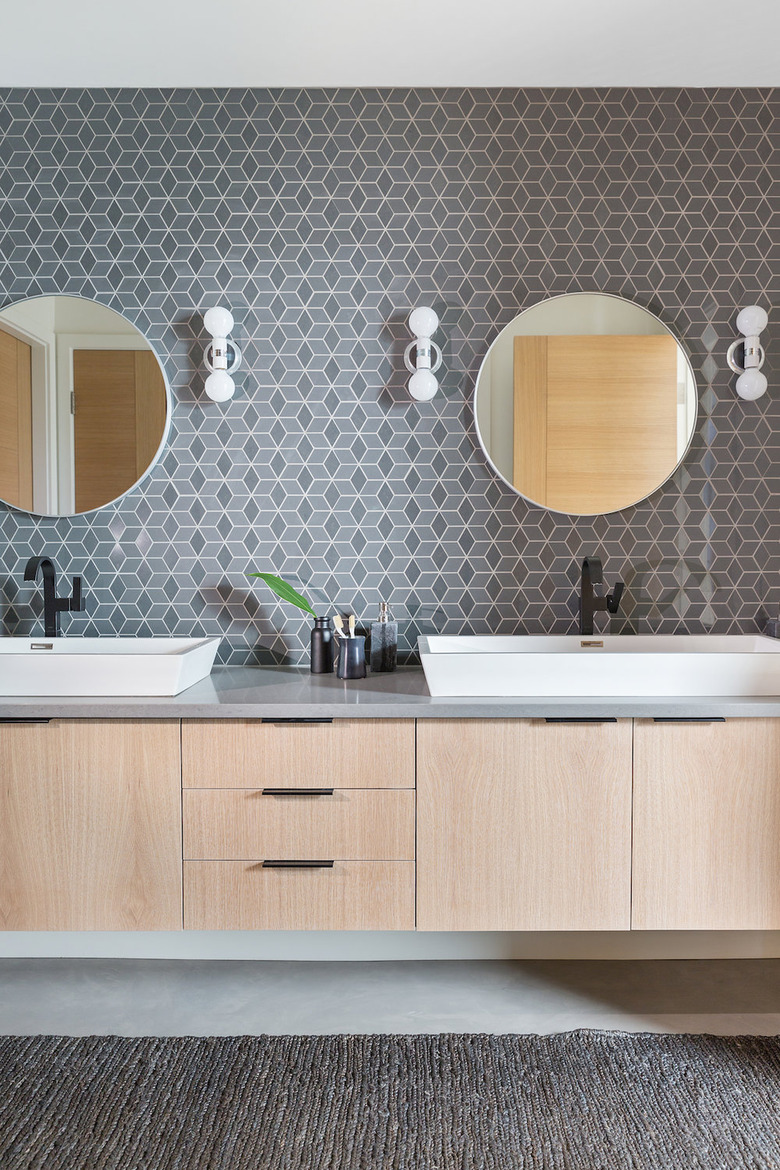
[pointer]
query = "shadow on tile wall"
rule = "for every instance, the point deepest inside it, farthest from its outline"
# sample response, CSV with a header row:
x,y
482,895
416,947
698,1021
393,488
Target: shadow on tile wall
x,y
321,218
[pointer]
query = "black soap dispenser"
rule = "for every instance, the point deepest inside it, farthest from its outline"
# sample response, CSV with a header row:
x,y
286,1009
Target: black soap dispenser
x,y
322,647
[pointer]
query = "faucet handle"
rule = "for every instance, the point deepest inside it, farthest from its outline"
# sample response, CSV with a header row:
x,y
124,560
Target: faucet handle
x,y
71,604
75,601
613,598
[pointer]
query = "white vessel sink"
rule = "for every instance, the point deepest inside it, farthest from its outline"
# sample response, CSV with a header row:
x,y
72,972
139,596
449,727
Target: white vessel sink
x,y
602,665
103,666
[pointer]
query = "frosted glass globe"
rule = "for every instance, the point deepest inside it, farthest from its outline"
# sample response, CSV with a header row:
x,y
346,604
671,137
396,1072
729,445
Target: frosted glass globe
x,y
219,322
220,386
752,320
423,323
751,385
423,385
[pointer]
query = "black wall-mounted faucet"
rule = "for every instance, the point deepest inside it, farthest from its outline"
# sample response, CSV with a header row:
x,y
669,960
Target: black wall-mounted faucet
x,y
590,603
53,605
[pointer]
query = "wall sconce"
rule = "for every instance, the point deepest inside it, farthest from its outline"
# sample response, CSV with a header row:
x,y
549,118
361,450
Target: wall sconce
x,y
423,383
751,383
220,355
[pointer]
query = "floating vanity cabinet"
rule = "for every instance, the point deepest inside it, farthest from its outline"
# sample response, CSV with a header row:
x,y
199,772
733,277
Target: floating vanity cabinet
x,y
523,825
90,825
707,825
299,825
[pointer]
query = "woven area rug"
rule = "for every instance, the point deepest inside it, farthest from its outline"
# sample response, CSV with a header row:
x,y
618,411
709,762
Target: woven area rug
x,y
580,1101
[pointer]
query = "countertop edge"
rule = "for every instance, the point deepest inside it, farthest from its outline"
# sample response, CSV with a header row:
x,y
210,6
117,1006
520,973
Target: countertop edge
x,y
293,693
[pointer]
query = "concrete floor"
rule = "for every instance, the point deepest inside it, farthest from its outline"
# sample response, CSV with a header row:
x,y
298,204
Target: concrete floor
x,y
133,997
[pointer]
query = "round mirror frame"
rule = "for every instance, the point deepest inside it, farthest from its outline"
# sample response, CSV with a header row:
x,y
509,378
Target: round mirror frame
x,y
169,403
623,301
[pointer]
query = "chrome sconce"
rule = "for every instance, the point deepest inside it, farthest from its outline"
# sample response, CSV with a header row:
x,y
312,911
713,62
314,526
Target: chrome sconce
x,y
220,355
751,383
423,383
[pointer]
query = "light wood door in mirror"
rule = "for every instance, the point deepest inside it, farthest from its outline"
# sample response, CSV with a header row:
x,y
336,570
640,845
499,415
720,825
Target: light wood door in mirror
x,y
119,419
16,458
595,419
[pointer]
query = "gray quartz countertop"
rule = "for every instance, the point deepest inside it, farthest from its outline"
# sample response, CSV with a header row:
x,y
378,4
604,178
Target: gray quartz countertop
x,y
285,692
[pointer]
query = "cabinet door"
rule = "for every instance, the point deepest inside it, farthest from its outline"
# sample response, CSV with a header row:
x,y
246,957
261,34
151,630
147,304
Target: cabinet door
x,y
707,825
90,826
523,825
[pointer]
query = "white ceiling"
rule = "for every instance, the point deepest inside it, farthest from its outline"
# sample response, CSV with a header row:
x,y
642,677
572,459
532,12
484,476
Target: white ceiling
x,y
390,43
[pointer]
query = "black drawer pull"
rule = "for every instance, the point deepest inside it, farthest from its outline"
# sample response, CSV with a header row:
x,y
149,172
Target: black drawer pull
x,y
294,722
688,719
298,792
595,719
298,864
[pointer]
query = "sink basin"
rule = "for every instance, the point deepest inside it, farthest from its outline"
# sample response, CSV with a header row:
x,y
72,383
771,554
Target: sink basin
x,y
609,665
103,666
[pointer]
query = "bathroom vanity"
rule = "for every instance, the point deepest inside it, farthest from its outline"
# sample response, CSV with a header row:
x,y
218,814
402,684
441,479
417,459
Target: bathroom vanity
x,y
272,800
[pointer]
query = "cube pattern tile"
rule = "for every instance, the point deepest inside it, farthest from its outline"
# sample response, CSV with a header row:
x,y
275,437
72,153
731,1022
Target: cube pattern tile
x,y
320,218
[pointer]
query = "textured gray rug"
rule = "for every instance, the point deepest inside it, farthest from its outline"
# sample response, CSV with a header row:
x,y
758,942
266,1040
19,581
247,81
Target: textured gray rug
x,y
582,1101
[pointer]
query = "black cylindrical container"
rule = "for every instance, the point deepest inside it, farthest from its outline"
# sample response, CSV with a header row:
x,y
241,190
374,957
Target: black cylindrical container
x,y
322,647
352,658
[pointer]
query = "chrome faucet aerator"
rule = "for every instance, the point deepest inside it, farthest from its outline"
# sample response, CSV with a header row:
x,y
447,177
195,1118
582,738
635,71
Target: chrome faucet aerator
x,y
53,605
590,602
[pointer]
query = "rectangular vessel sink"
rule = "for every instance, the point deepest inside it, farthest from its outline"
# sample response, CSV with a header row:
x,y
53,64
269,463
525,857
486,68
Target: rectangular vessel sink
x,y
103,666
609,665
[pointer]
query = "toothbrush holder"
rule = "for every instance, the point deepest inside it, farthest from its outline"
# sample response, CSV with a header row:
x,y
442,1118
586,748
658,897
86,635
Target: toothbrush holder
x,y
352,658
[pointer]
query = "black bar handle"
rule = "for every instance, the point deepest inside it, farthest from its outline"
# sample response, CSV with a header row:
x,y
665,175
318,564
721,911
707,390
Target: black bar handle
x,y
298,864
575,719
294,722
688,719
298,791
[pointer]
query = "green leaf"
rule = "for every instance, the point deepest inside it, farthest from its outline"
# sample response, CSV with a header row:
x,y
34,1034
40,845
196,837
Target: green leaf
x,y
285,591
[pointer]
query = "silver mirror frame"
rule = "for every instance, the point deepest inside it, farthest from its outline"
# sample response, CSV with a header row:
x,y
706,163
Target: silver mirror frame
x,y
548,301
169,403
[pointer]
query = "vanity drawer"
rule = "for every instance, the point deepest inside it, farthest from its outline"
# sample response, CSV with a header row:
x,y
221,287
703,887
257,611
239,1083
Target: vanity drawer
x,y
349,895
224,824
348,753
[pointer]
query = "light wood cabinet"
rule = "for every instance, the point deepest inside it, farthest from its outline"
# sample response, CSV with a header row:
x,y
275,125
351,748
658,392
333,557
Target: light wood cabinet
x,y
90,826
361,825
523,825
707,825
348,753
516,824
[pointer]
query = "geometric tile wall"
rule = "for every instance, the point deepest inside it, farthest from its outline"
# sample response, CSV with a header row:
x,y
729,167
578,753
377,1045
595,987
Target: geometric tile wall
x,y
320,218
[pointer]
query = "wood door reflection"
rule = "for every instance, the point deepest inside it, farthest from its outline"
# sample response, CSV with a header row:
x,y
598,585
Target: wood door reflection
x,y
595,419
119,420
16,461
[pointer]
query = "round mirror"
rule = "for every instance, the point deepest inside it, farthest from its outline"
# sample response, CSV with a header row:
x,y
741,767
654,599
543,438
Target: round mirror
x,y
85,406
585,404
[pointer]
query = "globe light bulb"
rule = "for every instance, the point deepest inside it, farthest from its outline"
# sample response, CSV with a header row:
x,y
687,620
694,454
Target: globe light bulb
x,y
220,386
218,322
752,321
423,322
751,385
423,385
